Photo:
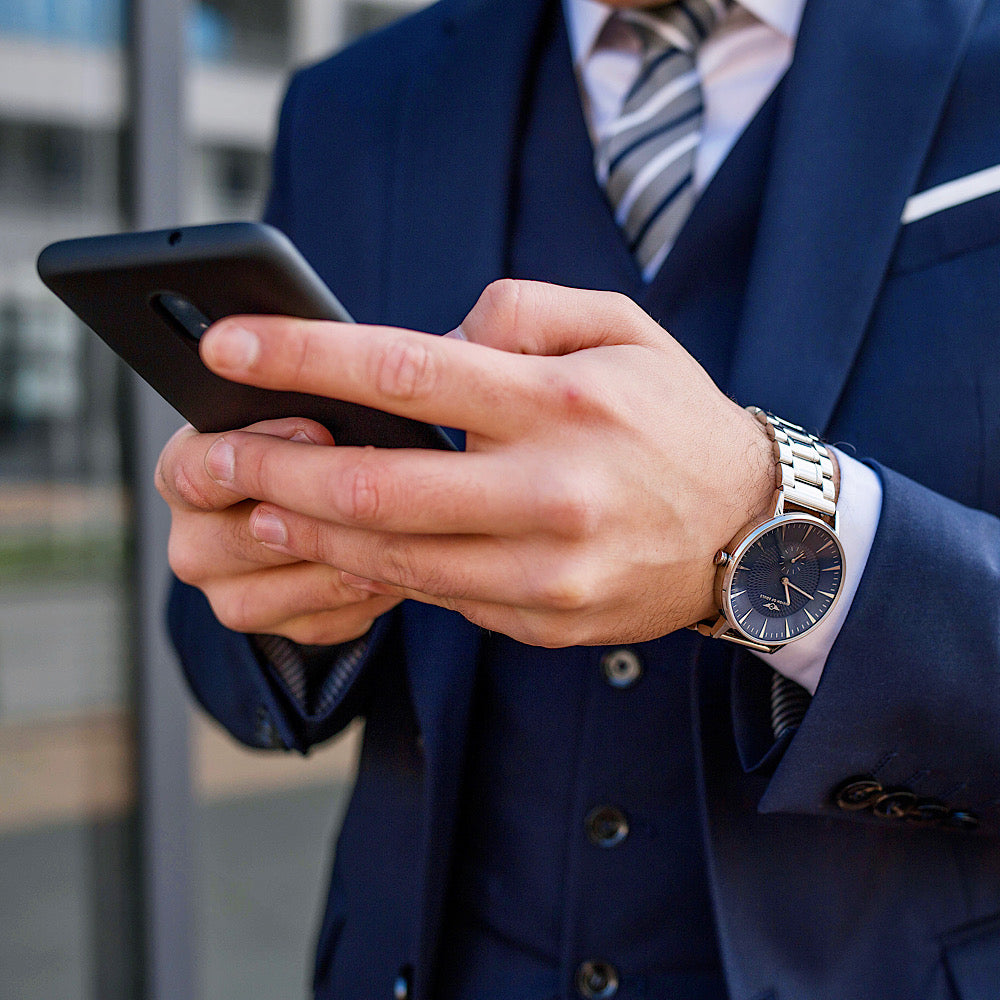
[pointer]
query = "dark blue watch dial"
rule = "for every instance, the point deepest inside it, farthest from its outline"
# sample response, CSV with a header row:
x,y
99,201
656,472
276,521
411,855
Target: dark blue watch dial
x,y
785,580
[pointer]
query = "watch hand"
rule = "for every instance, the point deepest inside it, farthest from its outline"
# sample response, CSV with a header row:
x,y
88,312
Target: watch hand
x,y
798,557
788,597
799,589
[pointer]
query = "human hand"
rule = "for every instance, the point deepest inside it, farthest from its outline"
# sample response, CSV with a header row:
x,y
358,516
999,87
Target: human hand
x,y
250,587
603,467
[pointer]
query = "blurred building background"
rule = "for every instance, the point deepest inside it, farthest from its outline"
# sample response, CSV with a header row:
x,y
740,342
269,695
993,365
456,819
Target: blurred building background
x,y
224,891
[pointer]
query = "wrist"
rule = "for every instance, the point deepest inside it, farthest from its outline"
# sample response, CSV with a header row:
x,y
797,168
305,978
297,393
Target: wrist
x,y
781,574
763,475
749,484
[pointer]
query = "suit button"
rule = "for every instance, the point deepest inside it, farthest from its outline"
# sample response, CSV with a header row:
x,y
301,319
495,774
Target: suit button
x,y
928,812
959,819
857,794
606,826
894,803
401,988
596,980
621,668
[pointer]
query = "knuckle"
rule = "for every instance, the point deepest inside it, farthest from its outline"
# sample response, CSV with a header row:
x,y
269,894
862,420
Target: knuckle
x,y
622,301
330,593
328,629
398,566
571,512
574,397
360,490
302,350
256,469
185,559
568,588
546,631
311,542
192,491
501,302
406,369
235,610
311,631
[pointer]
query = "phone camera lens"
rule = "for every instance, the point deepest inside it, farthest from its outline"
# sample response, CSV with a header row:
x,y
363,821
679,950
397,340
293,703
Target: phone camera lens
x,y
181,314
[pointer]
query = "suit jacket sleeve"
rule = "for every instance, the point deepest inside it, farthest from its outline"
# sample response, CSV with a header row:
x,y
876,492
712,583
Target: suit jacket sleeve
x,y
910,695
229,677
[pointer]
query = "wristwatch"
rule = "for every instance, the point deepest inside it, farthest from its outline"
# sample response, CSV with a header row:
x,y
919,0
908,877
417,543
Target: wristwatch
x,y
780,577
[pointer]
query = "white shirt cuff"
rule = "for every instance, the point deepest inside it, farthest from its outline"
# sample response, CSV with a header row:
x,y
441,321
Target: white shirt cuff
x,y
860,505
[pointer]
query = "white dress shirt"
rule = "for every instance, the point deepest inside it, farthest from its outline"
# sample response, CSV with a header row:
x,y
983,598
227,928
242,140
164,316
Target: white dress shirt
x,y
740,63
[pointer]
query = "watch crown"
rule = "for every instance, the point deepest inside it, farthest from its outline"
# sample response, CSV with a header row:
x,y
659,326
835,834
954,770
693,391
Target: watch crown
x,y
721,558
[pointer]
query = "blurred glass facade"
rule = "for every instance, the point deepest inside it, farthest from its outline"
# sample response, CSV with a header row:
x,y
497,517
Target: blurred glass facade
x,y
71,862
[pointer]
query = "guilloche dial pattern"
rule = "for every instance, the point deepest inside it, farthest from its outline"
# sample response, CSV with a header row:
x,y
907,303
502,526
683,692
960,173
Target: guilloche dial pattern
x,y
787,579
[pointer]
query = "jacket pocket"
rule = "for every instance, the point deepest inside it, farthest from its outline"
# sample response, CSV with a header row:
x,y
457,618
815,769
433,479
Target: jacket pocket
x,y
953,231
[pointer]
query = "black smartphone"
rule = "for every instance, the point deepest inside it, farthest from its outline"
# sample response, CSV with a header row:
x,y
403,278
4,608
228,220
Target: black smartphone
x,y
151,295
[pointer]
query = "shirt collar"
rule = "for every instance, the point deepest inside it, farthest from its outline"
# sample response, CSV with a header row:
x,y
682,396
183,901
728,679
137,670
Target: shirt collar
x,y
585,18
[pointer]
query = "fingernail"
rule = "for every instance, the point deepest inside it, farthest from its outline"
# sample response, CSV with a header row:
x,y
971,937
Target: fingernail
x,y
269,528
233,347
220,460
362,583
457,334
301,436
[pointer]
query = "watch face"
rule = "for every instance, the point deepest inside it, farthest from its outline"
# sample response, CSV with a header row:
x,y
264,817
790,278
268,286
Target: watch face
x,y
783,579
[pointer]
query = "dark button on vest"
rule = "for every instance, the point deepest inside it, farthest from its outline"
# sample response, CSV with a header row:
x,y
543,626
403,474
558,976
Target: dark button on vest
x,y
596,980
622,668
606,826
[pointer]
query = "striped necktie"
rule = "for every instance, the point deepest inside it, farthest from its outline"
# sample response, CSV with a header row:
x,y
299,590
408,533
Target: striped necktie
x,y
645,159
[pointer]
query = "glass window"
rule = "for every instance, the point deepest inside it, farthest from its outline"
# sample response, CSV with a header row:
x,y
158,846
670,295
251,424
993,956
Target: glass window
x,y
68,924
82,22
70,863
254,32
367,16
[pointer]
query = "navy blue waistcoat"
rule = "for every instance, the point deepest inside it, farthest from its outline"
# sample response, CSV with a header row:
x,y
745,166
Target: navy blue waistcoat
x,y
580,837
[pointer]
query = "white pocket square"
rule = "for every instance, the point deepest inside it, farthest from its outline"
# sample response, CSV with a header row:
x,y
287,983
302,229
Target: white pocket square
x,y
952,193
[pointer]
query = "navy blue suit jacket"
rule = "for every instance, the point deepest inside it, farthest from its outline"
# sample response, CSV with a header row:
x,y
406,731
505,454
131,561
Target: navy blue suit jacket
x,y
391,174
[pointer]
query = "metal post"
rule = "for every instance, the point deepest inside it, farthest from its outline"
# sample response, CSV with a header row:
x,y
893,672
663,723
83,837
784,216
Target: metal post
x,y
317,28
156,49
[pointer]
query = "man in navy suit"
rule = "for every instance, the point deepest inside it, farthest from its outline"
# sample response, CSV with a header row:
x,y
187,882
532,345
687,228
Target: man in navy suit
x,y
563,791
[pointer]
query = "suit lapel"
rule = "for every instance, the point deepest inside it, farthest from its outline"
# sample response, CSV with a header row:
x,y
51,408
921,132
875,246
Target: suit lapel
x,y
859,109
457,152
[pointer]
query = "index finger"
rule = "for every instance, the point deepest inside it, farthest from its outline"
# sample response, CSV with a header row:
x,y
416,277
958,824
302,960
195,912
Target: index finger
x,y
418,375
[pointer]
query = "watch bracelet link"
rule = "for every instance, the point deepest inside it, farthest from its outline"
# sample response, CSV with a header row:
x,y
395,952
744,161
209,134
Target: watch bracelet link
x,y
804,465
805,477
